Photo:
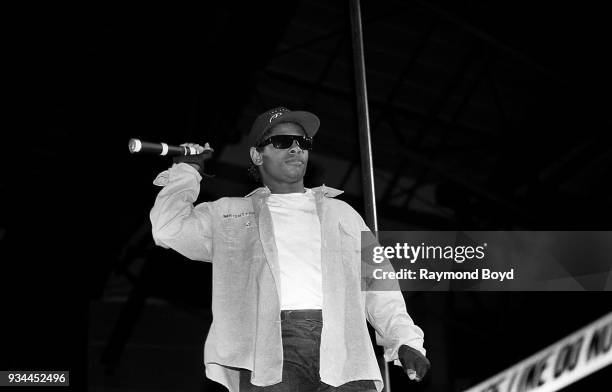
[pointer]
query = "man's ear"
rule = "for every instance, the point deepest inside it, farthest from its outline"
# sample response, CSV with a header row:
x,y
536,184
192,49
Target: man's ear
x,y
256,157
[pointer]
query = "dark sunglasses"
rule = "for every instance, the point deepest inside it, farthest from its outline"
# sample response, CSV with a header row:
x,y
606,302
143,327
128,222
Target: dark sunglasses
x,y
286,141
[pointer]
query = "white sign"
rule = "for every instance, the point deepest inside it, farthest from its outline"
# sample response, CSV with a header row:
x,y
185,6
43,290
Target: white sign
x,y
572,358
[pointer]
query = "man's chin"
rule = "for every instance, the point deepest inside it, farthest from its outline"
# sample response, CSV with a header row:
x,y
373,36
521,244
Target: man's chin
x,y
295,171
296,176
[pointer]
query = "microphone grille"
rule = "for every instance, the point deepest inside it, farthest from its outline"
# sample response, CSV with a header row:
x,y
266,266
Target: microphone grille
x,y
134,145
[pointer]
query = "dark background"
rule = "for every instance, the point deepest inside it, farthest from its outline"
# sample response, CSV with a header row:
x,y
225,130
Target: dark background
x,y
484,116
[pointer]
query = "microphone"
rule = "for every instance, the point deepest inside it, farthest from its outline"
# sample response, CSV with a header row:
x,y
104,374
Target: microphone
x,y
163,149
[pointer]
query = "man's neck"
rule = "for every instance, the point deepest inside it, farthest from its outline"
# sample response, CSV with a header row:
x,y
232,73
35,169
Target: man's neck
x,y
297,187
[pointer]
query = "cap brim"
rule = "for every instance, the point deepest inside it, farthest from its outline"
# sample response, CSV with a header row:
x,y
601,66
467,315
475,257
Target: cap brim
x,y
307,120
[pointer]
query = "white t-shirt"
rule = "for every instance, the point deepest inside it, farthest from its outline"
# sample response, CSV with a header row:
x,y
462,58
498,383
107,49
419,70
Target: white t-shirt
x,y
297,231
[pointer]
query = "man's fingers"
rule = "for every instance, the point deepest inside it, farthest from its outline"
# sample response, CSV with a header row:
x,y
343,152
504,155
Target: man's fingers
x,y
199,149
421,370
417,371
412,374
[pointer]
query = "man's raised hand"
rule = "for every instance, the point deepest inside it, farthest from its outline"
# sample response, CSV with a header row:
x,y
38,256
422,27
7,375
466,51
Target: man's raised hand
x,y
197,160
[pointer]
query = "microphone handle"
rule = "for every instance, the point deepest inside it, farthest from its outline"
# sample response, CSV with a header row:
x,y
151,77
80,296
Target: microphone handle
x,y
139,146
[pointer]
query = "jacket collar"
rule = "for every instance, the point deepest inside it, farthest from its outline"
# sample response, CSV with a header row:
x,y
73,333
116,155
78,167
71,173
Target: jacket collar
x,y
319,192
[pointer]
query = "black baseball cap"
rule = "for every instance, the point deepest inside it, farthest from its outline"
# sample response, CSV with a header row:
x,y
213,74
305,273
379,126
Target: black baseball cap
x,y
267,120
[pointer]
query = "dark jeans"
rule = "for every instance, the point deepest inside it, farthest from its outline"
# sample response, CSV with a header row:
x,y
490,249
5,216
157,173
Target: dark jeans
x,y
301,342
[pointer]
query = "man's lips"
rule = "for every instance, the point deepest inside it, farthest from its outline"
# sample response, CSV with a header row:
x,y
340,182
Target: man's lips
x,y
296,162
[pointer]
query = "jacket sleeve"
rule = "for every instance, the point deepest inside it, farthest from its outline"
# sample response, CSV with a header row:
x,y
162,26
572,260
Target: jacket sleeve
x,y
176,223
386,311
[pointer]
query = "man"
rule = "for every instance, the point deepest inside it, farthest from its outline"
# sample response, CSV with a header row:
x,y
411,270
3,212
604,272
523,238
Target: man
x,y
288,310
